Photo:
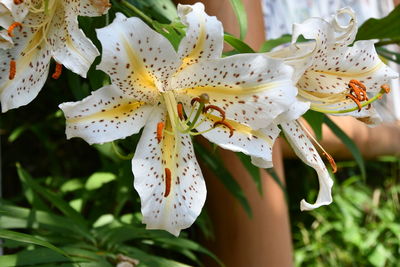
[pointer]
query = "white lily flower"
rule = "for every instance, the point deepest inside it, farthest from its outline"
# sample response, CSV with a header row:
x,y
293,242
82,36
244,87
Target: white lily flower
x,y
334,77
47,31
176,95
11,14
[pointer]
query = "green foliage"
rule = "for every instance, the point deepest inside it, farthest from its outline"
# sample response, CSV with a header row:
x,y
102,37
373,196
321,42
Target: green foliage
x,y
360,228
241,16
272,43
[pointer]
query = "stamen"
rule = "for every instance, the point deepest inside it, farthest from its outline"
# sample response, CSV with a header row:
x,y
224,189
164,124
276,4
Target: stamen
x,y
180,111
326,154
202,99
220,110
13,69
12,27
18,2
160,127
386,88
331,161
226,124
167,182
57,72
355,100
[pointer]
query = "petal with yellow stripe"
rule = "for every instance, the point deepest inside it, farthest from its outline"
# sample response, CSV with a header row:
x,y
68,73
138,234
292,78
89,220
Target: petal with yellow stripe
x,y
138,59
167,177
204,35
105,116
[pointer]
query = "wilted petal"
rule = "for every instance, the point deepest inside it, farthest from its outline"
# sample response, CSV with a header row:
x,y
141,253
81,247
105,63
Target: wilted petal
x,y
305,150
251,89
93,8
69,44
171,199
257,143
31,57
204,36
138,59
106,115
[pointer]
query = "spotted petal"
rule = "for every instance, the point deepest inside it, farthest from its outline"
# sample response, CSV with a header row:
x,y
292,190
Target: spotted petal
x,y
204,35
10,12
309,155
255,143
137,58
69,44
251,89
31,69
93,8
105,116
171,199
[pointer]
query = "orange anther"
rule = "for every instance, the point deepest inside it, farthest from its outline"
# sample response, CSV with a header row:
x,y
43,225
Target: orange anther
x,y
12,27
17,2
356,101
13,70
386,88
194,100
220,110
226,124
160,127
167,182
180,111
57,71
360,84
331,161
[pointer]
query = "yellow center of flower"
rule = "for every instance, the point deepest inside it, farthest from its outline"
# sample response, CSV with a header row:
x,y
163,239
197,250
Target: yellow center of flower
x,y
187,123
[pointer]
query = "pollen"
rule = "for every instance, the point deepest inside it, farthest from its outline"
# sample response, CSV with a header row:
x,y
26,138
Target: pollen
x,y
386,88
12,27
57,71
13,69
331,161
18,2
160,127
358,93
226,124
180,111
167,182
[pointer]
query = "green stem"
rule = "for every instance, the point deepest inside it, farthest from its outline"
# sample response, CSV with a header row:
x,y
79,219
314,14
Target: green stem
x,y
118,153
388,42
196,117
137,11
382,92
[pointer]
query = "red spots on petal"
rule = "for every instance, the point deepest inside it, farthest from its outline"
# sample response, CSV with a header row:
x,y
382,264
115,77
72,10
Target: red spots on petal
x,y
167,182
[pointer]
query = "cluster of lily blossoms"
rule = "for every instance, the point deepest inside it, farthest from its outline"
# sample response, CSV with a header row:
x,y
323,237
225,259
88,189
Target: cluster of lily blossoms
x,y
240,102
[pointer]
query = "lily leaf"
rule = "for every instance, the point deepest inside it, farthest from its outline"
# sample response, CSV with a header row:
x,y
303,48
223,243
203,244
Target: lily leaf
x,y
241,16
252,170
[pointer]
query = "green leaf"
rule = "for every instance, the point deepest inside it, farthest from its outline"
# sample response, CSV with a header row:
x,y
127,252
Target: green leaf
x,y
29,239
315,120
238,44
389,55
50,196
173,32
387,27
98,179
17,133
271,44
349,144
254,171
241,16
71,185
217,166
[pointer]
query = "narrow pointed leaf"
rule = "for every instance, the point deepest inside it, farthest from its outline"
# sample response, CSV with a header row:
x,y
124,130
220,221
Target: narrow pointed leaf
x,y
254,171
241,16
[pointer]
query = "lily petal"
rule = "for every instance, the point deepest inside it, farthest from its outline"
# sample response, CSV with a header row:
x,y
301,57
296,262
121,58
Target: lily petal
x,y
305,150
106,115
251,89
138,59
31,69
6,41
255,143
167,177
204,36
93,8
10,12
69,44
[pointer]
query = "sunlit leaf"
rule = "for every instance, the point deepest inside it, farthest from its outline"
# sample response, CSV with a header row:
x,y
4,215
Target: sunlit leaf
x,y
241,16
